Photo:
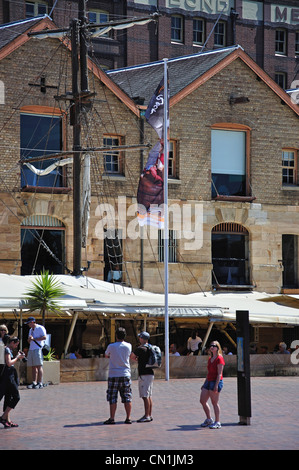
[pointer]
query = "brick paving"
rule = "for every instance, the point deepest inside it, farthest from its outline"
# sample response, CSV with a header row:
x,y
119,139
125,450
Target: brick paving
x,y
70,416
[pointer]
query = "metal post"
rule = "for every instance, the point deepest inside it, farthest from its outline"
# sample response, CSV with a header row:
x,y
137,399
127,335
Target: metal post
x,y
166,235
77,155
243,366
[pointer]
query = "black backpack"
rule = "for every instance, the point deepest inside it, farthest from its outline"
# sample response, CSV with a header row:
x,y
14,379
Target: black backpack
x,y
155,356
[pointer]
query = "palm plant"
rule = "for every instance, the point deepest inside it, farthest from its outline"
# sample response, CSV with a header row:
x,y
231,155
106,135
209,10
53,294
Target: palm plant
x,y
44,294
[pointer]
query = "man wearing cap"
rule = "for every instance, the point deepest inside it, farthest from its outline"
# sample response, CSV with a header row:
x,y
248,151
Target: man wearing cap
x,y
145,376
35,356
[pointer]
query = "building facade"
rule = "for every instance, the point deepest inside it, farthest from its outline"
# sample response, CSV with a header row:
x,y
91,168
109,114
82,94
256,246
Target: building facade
x,y
233,181
267,30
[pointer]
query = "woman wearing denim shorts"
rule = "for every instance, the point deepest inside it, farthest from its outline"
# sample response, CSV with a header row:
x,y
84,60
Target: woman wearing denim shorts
x,y
213,386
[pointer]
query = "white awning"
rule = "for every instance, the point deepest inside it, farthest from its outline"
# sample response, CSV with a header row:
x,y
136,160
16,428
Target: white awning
x,y
85,294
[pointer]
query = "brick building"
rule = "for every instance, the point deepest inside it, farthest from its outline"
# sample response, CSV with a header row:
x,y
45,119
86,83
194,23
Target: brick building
x,y
222,105
245,204
267,30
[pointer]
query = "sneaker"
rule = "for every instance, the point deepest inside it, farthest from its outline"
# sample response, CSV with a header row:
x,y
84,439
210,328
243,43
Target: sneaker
x,y
207,422
215,425
144,420
35,386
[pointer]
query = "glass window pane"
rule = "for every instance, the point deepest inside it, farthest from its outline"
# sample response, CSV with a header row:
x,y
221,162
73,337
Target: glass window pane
x,y
228,163
35,257
229,258
40,135
176,28
290,260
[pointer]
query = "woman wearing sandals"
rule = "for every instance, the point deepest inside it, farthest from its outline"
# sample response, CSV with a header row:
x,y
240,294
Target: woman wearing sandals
x,y
213,386
10,382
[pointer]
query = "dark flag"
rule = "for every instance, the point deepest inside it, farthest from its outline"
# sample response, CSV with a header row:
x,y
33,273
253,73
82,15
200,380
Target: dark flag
x,y
154,114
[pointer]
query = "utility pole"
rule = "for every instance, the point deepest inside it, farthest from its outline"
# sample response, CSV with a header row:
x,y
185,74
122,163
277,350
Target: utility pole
x,y
79,94
79,98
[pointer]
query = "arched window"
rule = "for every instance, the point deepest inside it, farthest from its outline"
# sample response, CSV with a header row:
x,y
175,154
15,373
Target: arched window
x,y
42,245
230,255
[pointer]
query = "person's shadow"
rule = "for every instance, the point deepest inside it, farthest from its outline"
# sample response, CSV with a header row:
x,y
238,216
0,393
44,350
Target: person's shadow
x,y
198,427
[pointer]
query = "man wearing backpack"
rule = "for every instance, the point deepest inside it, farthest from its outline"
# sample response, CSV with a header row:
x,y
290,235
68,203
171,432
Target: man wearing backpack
x,y
145,376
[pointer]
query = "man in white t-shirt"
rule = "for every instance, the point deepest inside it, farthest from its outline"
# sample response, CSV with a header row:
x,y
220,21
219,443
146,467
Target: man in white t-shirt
x,y
119,377
35,359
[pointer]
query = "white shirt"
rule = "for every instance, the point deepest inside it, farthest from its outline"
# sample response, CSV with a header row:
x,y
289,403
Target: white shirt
x,y
37,332
119,359
193,343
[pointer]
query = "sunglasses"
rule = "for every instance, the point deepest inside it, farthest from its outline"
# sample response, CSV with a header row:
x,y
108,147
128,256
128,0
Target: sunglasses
x,y
213,346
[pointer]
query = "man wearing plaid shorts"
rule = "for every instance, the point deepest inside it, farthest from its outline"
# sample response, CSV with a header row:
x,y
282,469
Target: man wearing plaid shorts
x,y
119,378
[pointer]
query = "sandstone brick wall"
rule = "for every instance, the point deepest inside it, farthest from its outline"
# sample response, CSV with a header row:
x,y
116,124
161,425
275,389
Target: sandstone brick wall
x,y
273,126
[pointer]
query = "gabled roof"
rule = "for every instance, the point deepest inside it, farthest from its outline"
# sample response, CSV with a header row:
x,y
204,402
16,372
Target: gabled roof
x,y
187,73
14,35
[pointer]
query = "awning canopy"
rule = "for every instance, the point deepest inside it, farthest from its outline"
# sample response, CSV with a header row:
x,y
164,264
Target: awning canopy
x,y
88,295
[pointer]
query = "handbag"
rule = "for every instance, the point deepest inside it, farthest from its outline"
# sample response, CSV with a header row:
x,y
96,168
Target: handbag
x,y
45,348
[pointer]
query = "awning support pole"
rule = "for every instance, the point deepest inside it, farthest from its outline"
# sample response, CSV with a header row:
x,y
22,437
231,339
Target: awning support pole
x,y
206,337
75,317
228,336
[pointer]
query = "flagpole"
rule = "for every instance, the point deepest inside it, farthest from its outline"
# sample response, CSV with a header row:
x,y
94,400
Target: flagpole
x,y
166,235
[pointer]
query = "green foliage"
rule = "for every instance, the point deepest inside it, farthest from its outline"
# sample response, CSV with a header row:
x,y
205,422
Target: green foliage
x,y
50,356
44,294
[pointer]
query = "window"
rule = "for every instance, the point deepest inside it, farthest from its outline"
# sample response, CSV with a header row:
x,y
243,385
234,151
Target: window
x,y
280,41
289,166
290,260
35,9
40,135
281,79
98,16
172,158
198,31
220,34
113,159
43,245
229,161
177,28
172,246
297,43
230,255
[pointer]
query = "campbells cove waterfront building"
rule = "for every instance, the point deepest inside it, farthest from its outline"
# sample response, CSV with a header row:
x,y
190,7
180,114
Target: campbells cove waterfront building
x,y
233,173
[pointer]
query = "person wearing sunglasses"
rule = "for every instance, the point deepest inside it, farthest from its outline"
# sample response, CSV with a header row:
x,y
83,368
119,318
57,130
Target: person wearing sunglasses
x,y
213,385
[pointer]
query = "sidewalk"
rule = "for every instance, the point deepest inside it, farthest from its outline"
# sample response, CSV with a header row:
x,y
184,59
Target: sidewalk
x,y
70,416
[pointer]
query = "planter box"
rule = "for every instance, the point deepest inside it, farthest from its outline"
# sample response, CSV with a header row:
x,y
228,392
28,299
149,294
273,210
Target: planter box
x,y
51,372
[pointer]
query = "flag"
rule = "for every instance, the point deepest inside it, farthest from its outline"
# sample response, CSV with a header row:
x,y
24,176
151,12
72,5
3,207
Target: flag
x,y
154,114
150,194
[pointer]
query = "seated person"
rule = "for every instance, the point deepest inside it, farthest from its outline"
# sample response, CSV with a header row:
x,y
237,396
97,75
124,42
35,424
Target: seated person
x,y
114,275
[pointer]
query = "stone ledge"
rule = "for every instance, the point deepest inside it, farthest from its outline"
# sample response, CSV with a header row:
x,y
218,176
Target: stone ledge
x,y
261,365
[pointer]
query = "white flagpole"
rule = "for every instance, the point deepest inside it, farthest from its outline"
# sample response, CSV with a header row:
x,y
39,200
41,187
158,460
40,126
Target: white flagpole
x,y
166,235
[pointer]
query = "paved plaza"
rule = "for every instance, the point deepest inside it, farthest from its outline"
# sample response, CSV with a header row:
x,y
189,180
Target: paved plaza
x,y
70,416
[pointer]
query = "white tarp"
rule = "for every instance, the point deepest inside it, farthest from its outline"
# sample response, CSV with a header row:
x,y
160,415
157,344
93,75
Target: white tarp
x,y
92,295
